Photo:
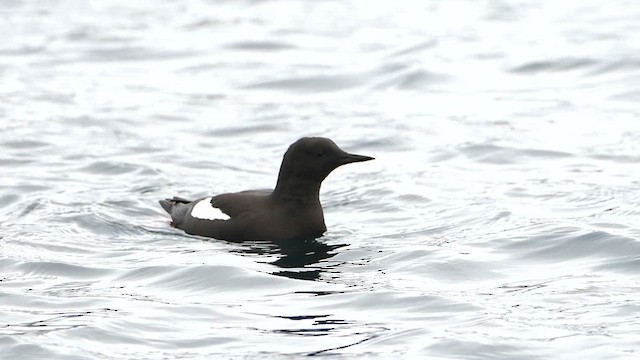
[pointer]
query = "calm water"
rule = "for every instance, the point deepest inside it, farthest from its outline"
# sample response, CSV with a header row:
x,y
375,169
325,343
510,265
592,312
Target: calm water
x,y
499,220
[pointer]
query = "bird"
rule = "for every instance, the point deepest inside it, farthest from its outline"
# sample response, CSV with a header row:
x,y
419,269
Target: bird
x,y
291,210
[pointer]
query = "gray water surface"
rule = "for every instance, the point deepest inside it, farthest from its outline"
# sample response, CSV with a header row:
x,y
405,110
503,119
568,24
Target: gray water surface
x,y
498,221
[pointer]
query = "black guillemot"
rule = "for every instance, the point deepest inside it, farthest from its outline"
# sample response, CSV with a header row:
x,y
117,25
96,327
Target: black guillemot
x,y
291,210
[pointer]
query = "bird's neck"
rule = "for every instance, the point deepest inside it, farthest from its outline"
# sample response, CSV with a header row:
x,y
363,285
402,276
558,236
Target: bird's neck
x,y
298,190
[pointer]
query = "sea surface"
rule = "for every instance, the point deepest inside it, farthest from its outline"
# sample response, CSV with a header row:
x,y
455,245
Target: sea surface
x,y
500,219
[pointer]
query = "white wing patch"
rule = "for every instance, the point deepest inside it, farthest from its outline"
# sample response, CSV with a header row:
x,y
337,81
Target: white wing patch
x,y
204,210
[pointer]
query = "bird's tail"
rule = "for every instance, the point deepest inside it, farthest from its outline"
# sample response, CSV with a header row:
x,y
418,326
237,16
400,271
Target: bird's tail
x,y
167,204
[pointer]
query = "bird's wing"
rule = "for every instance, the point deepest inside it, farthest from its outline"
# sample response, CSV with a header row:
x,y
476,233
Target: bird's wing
x,y
236,204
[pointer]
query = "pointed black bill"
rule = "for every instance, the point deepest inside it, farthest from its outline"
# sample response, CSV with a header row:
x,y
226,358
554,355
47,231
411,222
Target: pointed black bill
x,y
352,158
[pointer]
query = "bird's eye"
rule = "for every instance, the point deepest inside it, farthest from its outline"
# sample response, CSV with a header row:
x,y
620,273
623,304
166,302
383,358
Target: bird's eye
x,y
320,154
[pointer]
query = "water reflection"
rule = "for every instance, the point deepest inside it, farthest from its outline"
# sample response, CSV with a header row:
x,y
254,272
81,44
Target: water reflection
x,y
299,258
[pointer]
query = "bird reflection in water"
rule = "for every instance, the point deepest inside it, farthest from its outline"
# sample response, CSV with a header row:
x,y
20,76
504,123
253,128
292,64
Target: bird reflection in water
x,y
298,258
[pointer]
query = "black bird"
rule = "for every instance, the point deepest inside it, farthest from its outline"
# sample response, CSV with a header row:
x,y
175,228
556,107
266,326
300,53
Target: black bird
x,y
291,210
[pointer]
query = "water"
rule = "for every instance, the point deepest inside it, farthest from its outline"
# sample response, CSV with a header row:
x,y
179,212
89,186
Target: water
x,y
499,219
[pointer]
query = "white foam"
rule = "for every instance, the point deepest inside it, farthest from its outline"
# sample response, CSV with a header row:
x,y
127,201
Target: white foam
x,y
204,210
